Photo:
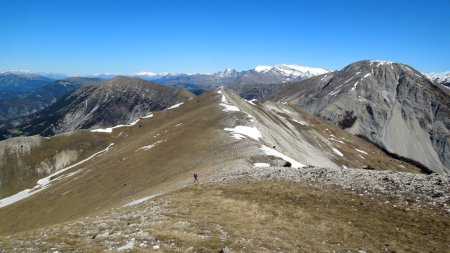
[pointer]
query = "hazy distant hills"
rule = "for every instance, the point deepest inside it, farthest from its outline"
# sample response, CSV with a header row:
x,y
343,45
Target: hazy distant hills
x,y
20,85
22,94
391,104
112,102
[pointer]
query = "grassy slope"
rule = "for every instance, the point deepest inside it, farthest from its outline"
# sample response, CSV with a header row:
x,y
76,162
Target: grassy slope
x,y
123,171
198,145
252,217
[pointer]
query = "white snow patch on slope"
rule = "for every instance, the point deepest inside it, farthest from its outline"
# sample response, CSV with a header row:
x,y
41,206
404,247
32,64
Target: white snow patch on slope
x,y
141,200
360,151
337,152
148,116
252,101
366,75
237,136
175,106
43,183
229,108
261,165
354,86
110,129
251,132
334,92
273,152
145,148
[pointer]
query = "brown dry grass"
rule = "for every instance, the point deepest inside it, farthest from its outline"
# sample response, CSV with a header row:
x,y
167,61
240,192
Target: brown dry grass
x,y
293,217
256,217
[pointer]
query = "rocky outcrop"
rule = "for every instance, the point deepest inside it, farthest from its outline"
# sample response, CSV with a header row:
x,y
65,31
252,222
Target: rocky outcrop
x,y
388,103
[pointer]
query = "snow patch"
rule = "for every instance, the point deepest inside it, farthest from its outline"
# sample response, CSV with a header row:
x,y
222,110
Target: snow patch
x,y
334,92
273,152
141,200
337,152
148,116
229,108
360,151
354,86
145,148
175,106
261,165
251,132
110,129
252,101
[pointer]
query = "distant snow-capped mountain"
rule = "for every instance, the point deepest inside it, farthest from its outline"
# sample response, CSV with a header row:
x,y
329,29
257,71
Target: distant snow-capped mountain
x,y
442,78
291,70
277,74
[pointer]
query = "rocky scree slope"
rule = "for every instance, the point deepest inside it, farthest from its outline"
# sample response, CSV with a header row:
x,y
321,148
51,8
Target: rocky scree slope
x,y
390,104
112,102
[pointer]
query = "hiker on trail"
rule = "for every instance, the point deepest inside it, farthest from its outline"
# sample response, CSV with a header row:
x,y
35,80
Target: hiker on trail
x,y
195,177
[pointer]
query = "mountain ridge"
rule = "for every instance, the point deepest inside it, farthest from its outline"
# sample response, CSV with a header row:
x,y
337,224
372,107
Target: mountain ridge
x,y
111,102
379,100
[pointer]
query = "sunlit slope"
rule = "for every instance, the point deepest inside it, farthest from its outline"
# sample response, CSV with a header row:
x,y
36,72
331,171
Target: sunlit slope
x,y
206,135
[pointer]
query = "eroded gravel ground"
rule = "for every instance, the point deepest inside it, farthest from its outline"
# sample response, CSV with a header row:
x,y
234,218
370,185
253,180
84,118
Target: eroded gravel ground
x,y
419,189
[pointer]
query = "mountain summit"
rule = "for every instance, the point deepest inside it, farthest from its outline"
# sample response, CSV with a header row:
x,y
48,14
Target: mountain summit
x,y
391,104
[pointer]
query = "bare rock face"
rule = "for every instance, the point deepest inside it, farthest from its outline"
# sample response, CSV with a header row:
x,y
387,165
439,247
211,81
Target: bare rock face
x,y
390,104
117,101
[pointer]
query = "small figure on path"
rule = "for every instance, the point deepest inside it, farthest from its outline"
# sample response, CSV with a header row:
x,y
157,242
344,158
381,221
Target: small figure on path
x,y
195,177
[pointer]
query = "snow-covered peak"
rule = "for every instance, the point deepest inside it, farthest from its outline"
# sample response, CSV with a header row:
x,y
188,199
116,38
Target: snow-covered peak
x,y
434,75
297,70
291,70
144,73
380,62
263,68
443,78
228,72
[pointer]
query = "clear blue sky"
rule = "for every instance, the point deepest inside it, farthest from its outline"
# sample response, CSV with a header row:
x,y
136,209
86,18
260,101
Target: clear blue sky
x,y
90,36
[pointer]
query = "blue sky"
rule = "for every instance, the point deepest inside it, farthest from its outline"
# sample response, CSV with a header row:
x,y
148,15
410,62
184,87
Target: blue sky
x,y
84,37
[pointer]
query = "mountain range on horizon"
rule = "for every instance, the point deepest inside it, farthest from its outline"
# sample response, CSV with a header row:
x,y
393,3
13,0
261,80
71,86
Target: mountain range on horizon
x,y
265,83
289,72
